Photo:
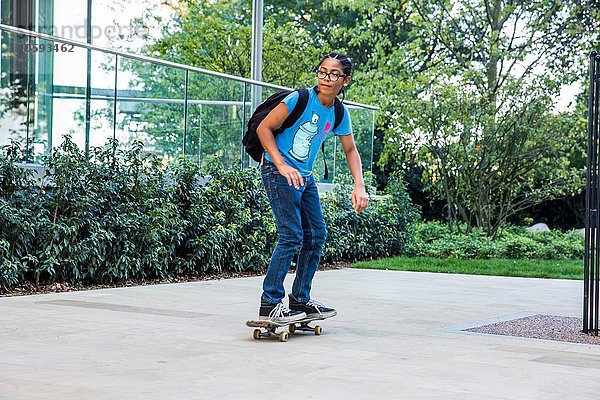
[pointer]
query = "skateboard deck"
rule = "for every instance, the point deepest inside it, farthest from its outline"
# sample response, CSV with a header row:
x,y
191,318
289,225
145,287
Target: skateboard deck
x,y
270,328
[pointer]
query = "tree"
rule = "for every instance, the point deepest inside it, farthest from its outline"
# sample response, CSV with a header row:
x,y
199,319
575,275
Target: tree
x,y
466,78
484,105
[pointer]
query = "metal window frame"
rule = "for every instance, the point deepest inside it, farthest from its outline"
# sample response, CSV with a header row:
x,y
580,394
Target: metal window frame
x,y
138,57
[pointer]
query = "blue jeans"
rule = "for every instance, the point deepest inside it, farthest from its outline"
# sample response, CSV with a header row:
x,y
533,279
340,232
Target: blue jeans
x,y
300,227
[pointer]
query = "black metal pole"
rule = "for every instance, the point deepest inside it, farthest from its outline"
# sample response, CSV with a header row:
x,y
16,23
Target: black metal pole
x,y
594,206
594,232
594,223
593,255
596,121
588,186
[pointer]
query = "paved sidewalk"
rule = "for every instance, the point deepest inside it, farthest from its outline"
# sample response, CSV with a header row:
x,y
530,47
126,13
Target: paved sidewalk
x,y
397,336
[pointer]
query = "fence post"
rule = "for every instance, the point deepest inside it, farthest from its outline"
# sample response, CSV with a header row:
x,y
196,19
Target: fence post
x,y
591,273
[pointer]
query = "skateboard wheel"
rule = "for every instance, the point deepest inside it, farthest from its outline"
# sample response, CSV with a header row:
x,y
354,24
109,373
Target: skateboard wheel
x,y
256,334
318,330
283,337
292,328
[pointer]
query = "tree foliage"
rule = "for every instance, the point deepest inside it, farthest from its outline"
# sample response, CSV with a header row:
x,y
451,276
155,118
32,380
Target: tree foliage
x,y
466,87
479,109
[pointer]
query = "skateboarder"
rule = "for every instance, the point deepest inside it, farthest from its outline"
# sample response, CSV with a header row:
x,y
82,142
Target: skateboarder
x,y
286,170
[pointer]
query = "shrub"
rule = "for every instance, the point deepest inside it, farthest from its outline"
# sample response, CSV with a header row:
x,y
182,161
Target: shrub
x,y
116,214
434,239
382,230
518,247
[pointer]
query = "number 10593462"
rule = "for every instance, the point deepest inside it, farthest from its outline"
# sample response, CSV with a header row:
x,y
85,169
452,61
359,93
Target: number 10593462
x,y
47,47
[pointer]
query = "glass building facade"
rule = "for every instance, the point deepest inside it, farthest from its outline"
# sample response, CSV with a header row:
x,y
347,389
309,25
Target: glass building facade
x,y
55,85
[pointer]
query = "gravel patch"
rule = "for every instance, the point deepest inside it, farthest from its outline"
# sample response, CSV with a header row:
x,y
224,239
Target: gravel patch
x,y
548,327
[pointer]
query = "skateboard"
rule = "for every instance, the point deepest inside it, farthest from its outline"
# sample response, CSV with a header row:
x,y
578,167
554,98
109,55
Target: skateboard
x,y
270,328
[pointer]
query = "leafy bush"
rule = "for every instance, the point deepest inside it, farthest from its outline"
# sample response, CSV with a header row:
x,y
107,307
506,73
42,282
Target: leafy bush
x,y
434,239
117,214
541,245
382,230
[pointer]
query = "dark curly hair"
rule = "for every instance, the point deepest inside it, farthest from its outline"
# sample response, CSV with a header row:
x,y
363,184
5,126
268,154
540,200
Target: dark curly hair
x,y
344,60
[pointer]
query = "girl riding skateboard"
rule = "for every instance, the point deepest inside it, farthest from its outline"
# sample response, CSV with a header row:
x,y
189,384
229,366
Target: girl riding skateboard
x,y
287,176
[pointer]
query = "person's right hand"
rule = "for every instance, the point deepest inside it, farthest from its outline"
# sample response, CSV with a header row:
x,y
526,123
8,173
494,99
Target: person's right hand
x,y
291,174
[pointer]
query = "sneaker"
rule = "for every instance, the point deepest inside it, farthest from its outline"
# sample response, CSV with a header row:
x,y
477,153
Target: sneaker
x,y
313,309
278,313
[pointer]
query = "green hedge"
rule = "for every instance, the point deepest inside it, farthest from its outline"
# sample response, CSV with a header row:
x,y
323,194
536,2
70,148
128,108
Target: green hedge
x,y
384,229
434,239
119,214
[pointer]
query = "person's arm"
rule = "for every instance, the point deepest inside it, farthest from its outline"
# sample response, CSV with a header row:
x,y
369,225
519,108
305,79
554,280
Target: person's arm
x,y
265,130
360,200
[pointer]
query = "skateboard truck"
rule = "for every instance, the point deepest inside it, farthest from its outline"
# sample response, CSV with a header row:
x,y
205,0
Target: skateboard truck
x,y
305,327
269,332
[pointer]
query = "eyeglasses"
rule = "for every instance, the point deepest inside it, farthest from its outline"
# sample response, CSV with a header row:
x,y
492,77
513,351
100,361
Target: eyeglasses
x,y
333,77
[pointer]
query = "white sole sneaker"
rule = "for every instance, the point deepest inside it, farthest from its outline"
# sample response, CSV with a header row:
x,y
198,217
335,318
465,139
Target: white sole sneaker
x,y
286,320
323,315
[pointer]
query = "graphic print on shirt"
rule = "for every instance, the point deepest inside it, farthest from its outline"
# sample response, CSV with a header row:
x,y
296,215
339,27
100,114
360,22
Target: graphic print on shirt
x,y
303,139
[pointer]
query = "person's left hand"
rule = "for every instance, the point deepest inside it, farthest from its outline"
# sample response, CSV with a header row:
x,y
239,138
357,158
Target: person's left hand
x,y
360,199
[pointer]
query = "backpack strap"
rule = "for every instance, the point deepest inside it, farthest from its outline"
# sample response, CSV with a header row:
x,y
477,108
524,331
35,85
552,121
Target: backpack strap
x,y
299,108
339,116
339,113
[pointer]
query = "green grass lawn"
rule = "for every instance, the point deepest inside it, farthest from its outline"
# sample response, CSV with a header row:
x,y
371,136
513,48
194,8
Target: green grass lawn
x,y
557,269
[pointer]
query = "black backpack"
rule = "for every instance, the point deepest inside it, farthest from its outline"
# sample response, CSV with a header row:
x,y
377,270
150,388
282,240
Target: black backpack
x,y
251,142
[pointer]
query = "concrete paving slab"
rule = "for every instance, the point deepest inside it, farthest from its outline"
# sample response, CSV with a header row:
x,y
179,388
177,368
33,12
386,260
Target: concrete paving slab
x,y
398,335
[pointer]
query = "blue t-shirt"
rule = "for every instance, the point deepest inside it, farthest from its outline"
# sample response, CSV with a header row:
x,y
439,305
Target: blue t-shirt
x,y
300,143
